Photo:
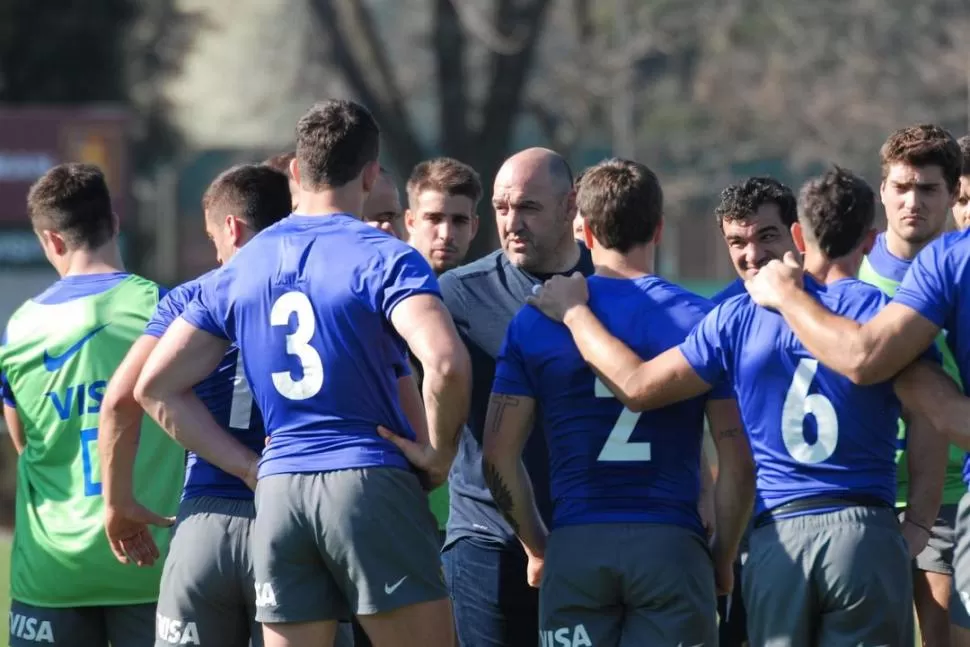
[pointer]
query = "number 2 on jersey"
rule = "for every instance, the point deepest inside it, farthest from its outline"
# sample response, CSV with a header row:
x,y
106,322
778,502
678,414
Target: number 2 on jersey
x,y
298,345
798,406
618,446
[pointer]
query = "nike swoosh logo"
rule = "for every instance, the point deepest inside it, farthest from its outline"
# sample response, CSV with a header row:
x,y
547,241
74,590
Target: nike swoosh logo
x,y
390,589
54,362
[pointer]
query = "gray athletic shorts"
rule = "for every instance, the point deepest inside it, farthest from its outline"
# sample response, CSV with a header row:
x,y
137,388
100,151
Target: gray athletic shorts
x,y
328,545
627,584
960,596
937,557
207,588
836,578
122,626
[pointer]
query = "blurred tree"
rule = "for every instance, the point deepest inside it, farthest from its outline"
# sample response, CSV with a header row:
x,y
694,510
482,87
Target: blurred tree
x,y
98,51
479,132
472,80
797,84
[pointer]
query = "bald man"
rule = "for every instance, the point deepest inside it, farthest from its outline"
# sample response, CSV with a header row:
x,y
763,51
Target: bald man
x,y
534,205
382,208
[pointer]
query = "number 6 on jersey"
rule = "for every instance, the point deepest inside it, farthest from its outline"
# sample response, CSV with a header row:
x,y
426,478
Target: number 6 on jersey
x,y
618,446
798,406
298,345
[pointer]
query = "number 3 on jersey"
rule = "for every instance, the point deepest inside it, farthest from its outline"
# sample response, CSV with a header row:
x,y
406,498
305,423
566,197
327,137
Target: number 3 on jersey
x,y
298,345
618,446
798,406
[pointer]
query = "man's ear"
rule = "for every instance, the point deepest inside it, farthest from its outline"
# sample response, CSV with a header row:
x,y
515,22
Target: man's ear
x,y
798,236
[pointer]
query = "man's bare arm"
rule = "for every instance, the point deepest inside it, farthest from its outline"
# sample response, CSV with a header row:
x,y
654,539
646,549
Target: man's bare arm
x,y
119,425
926,390
927,451
639,385
426,326
734,490
708,479
183,357
508,424
866,354
15,428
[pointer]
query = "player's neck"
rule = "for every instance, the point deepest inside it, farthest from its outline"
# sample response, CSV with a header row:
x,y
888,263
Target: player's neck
x,y
104,260
827,271
634,263
346,199
903,249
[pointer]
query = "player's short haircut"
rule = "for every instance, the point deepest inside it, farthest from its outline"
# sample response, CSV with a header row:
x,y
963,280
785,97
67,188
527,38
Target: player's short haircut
x,y
281,162
579,178
742,200
73,200
447,176
836,210
964,143
924,145
622,202
335,140
256,193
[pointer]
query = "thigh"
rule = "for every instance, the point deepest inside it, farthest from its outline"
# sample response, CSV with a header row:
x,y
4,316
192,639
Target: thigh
x,y
668,585
493,604
960,597
293,584
864,575
201,593
778,591
379,539
77,627
580,599
133,625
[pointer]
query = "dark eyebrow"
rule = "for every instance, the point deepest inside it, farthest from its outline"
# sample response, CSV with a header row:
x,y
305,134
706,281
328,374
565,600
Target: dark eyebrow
x,y
922,185
768,229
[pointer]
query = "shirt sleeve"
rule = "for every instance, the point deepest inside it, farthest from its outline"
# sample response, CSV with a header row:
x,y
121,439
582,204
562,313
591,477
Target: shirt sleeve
x,y
210,310
705,350
406,274
929,284
168,310
511,376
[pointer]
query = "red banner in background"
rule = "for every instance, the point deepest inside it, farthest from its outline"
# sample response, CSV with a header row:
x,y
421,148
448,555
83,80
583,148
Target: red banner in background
x,y
33,139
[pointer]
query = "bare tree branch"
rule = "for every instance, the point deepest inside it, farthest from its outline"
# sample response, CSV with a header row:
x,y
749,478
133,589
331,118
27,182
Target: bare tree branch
x,y
448,41
476,24
351,43
509,73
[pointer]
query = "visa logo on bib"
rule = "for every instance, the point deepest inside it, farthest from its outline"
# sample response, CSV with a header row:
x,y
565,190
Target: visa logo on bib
x,y
78,399
565,637
31,629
